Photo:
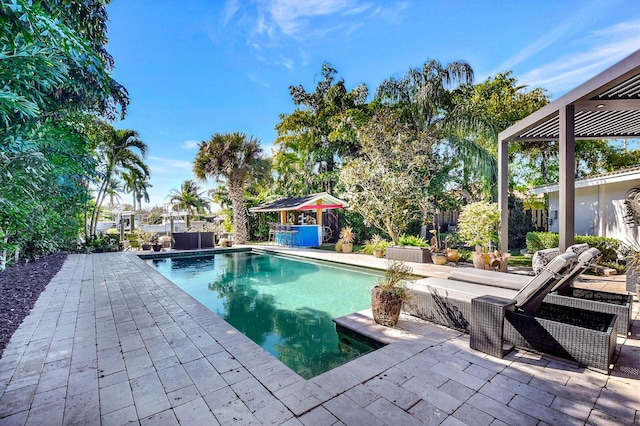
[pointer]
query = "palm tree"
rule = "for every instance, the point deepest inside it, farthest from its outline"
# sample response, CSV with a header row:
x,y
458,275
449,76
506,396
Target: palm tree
x,y
188,198
426,99
229,158
113,188
137,184
117,153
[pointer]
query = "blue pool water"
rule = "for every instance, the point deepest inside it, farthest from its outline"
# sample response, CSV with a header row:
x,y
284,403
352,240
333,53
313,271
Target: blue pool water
x,y
284,305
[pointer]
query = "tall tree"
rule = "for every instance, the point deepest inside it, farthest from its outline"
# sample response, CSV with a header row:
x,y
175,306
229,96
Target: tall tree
x,y
229,158
119,150
388,183
189,198
314,139
138,185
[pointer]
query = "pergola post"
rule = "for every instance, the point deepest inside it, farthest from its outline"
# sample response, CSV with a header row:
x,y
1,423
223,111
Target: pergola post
x,y
567,194
503,194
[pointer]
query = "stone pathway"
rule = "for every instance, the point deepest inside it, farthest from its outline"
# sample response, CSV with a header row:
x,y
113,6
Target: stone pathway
x,y
110,341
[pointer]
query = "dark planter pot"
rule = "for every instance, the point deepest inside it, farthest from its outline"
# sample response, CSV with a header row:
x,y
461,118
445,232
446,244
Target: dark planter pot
x,y
386,306
409,254
146,246
193,240
157,247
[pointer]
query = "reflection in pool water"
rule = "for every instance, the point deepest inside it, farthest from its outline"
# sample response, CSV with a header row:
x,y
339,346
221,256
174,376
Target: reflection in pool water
x,y
286,306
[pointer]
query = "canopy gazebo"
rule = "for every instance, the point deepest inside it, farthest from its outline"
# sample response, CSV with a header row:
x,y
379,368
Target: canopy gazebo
x,y
314,202
605,107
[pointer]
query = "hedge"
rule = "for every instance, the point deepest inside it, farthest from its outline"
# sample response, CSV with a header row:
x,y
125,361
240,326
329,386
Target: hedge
x,y
609,247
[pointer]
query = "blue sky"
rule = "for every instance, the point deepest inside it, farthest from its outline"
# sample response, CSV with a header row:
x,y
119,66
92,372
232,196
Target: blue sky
x,y
196,67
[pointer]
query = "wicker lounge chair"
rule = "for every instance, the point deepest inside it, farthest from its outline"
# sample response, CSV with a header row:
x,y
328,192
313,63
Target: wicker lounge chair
x,y
563,293
498,318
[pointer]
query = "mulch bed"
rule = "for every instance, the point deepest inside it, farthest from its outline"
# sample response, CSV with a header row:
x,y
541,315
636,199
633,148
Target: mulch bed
x,y
20,287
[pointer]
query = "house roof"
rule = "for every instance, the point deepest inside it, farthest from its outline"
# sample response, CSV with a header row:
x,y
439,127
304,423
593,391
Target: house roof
x,y
606,107
321,200
624,175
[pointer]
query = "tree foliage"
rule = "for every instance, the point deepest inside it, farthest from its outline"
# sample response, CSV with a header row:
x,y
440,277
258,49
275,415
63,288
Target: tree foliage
x,y
319,135
387,183
229,158
54,76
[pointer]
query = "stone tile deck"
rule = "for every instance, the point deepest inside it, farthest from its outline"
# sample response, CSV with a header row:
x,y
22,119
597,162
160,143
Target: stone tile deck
x,y
111,341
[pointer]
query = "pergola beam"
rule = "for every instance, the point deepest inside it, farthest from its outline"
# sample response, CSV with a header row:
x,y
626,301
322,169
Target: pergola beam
x,y
567,147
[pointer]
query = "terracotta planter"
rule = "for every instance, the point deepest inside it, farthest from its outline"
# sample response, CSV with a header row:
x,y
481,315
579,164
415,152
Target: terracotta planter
x,y
480,260
439,258
452,255
379,253
347,247
386,306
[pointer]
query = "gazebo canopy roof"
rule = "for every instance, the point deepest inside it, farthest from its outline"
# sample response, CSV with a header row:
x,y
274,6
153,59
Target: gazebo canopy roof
x,y
606,107
307,202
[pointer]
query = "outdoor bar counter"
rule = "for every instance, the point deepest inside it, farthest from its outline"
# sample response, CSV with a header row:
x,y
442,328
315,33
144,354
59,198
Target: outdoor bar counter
x,y
300,236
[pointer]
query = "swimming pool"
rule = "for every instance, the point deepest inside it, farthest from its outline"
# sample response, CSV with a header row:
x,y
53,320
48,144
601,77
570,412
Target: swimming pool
x,y
285,305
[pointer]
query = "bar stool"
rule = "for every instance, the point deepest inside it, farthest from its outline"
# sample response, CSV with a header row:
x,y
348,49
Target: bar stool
x,y
272,232
289,235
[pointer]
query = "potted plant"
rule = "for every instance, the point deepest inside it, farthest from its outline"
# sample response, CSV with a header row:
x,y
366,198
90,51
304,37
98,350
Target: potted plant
x,y
155,241
146,240
388,295
348,237
438,257
376,246
477,226
410,248
453,255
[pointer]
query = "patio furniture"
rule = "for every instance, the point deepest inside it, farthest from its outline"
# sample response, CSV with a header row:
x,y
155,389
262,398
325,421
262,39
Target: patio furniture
x,y
563,293
499,319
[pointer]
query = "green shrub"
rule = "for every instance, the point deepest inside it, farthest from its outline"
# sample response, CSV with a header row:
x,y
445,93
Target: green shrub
x,y
542,240
375,242
609,247
412,240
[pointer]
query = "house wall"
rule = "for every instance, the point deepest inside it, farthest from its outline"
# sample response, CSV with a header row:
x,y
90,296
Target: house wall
x,y
599,210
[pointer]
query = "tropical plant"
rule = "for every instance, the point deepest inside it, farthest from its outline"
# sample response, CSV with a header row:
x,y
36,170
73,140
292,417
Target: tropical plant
x,y
389,293
376,242
319,135
190,199
412,240
346,235
54,73
229,158
478,222
118,151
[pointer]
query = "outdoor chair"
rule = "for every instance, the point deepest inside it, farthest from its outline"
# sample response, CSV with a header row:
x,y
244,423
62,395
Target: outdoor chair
x,y
562,293
499,319
272,232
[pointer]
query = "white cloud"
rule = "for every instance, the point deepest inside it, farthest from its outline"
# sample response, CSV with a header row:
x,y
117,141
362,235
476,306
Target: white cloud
x,y
231,7
161,165
605,47
289,15
190,144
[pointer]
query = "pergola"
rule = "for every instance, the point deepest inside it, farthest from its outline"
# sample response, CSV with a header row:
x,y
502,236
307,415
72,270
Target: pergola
x,y
605,107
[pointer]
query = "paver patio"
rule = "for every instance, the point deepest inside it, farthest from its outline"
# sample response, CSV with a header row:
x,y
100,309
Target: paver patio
x,y
110,341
